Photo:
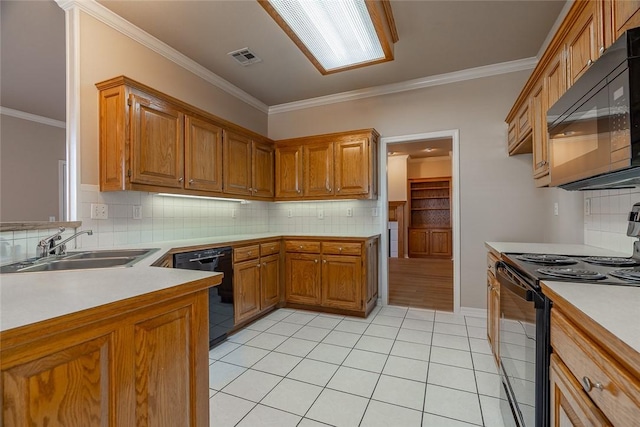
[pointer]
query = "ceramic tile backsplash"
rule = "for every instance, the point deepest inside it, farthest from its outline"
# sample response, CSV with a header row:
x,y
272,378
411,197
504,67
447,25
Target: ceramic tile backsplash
x,y
606,225
19,245
325,217
166,218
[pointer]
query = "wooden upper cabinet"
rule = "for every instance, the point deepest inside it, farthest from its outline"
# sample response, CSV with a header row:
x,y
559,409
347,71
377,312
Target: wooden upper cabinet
x,y
289,171
262,169
156,142
540,148
622,15
237,164
585,41
203,155
338,165
351,167
318,162
555,78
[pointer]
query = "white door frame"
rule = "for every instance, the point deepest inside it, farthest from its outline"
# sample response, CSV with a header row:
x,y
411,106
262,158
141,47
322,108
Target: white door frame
x,y
455,207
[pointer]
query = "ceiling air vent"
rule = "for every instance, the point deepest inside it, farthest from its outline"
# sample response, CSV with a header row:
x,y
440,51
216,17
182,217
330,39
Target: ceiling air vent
x,y
244,56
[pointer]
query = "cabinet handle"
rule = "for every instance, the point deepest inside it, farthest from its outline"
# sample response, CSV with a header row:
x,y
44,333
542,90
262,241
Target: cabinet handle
x,y
180,179
589,62
587,385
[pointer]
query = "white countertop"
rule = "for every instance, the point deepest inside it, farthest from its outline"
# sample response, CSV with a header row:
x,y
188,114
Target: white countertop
x,y
615,308
554,249
27,298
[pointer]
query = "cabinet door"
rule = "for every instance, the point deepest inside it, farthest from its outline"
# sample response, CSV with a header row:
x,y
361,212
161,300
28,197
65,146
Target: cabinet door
x,y
237,164
584,41
342,281
270,281
70,386
352,167
262,170
318,164
625,15
246,289
440,242
157,143
570,406
289,171
203,155
164,369
302,278
418,242
540,148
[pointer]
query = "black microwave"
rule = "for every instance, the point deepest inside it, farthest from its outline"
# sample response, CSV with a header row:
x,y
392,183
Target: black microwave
x,y
594,128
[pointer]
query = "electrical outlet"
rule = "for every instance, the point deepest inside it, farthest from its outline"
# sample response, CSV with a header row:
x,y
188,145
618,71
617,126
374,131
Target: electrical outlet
x,y
587,207
99,211
233,213
374,211
555,208
52,219
290,213
137,212
349,211
320,213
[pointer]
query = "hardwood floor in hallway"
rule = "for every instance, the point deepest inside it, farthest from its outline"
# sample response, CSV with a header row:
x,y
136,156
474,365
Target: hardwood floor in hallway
x,y
422,283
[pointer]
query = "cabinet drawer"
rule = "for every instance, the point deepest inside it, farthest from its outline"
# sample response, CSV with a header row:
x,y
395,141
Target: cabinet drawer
x,y
341,248
613,389
269,248
245,253
302,246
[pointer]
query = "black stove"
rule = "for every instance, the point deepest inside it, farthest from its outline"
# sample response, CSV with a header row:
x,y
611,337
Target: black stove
x,y
562,268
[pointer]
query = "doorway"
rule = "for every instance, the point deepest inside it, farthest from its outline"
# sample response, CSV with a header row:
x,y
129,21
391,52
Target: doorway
x,y
421,221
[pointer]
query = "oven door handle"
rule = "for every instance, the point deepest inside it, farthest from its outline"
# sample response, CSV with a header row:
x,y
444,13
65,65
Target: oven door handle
x,y
511,280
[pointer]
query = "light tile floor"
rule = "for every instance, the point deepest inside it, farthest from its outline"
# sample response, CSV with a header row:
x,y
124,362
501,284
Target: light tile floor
x,y
398,367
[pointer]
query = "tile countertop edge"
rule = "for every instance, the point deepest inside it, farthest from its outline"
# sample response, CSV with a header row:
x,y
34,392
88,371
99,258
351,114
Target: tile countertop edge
x,y
554,248
606,313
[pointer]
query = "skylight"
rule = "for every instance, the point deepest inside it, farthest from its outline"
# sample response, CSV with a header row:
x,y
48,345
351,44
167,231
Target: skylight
x,y
336,35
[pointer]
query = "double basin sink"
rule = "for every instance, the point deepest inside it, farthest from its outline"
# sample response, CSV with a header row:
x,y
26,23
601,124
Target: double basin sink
x,y
80,260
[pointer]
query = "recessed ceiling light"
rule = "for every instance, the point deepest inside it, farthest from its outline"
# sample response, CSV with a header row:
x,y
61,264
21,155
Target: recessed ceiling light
x,y
337,35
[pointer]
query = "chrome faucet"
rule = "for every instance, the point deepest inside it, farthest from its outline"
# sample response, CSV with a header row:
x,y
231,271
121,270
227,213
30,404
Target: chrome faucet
x,y
47,247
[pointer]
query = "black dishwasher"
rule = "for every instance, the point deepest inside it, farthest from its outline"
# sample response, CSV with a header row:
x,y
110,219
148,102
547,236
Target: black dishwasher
x,y
221,296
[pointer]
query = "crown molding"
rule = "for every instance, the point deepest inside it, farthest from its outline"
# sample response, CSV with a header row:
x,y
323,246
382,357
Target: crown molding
x,y
106,16
420,83
32,117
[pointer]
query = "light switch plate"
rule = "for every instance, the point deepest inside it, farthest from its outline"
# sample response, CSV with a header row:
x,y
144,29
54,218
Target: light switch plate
x,y
290,213
555,209
349,211
587,206
320,213
137,212
99,211
374,212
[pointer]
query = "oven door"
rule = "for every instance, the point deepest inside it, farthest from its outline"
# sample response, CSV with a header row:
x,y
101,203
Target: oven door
x,y
524,346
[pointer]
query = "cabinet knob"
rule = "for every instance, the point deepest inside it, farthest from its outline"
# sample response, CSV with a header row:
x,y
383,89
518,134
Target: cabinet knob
x,y
338,190
258,265
180,179
324,261
250,253
299,191
315,260
339,249
190,181
601,50
329,190
589,62
300,246
587,385
264,264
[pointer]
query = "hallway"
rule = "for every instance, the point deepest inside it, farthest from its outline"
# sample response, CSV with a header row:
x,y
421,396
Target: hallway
x,y
421,283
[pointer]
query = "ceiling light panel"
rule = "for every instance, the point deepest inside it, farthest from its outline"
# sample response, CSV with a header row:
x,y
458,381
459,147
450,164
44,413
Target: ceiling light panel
x,y
334,34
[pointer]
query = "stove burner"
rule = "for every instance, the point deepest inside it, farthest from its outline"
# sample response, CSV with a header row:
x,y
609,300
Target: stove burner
x,y
610,261
547,259
570,273
627,274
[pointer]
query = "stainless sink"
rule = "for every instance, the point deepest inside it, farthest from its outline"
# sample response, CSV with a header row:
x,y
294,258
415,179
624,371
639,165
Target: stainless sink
x,y
78,264
80,260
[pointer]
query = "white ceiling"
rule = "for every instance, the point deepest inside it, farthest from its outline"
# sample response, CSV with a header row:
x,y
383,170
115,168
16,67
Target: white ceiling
x,y
436,37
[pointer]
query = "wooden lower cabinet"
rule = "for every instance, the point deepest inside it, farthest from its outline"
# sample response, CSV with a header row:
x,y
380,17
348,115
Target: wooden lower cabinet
x,y
256,280
145,367
330,275
302,278
425,242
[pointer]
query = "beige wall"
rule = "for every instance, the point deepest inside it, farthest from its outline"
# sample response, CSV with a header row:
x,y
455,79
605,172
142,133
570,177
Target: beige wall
x,y
498,199
430,167
397,178
29,156
106,53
